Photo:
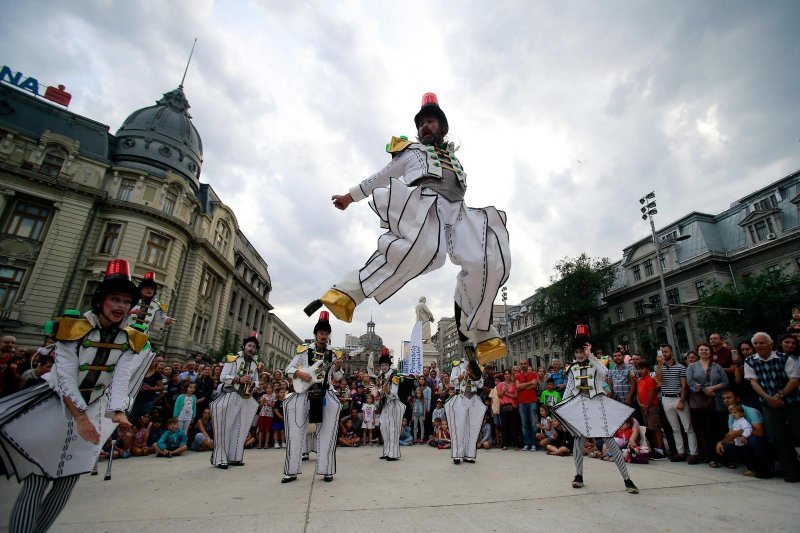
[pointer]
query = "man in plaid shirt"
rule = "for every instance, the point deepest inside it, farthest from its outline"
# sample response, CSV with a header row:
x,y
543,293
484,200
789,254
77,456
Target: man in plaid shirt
x,y
622,379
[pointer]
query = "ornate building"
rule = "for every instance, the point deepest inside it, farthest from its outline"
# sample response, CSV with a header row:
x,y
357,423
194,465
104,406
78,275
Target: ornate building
x,y
73,196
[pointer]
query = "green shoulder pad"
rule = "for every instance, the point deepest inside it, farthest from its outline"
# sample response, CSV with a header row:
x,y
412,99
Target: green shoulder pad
x,y
72,329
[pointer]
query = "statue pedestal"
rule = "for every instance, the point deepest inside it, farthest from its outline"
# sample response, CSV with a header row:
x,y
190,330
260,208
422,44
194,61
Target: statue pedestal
x,y
429,354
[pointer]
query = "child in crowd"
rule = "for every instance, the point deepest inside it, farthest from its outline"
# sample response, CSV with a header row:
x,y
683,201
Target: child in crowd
x,y
203,440
277,420
438,412
172,442
485,439
547,432
368,412
156,429
561,444
266,404
622,437
550,396
139,445
349,438
740,423
443,436
185,407
406,438
437,423
419,415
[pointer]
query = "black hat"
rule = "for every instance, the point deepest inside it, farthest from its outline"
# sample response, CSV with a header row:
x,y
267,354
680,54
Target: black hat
x,y
252,338
117,279
149,281
322,324
385,357
430,108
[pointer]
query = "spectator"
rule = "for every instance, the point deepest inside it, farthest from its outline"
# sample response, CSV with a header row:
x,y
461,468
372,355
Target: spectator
x,y
359,398
7,348
33,376
203,440
691,357
172,441
139,445
707,380
156,428
558,375
509,416
485,439
525,382
355,417
494,405
754,452
185,408
647,398
622,379
152,388
562,443
541,382
205,385
547,433
11,374
419,412
550,396
788,345
265,405
671,378
277,421
406,439
368,413
427,397
720,353
775,379
442,437
348,438
739,383
190,373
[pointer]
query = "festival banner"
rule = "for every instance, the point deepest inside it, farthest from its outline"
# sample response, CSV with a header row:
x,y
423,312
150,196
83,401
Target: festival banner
x,y
415,355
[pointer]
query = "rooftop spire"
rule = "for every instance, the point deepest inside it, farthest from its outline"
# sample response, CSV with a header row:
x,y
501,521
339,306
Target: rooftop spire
x,y
189,61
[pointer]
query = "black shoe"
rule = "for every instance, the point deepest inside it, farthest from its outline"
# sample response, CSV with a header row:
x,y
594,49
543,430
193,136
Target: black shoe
x,y
792,479
328,478
222,467
456,461
236,463
470,461
311,308
763,475
383,457
304,457
577,482
391,458
630,487
288,479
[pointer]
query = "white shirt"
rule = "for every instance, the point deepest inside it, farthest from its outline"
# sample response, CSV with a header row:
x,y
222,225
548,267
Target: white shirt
x,y
791,368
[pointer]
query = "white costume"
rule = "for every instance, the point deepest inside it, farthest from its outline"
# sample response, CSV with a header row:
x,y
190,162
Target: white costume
x,y
156,316
231,414
464,413
391,417
419,198
296,412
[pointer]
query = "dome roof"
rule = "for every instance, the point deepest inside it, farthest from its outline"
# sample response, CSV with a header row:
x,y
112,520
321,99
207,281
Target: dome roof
x,y
161,137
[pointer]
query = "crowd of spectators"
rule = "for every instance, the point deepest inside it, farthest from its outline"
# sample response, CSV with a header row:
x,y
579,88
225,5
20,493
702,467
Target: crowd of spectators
x,y
719,405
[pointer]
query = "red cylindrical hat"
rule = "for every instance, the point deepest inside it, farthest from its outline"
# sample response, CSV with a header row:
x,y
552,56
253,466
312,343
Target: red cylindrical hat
x,y
430,108
582,329
150,276
118,269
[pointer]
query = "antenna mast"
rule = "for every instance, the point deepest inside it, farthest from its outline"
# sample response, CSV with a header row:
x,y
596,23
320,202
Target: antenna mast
x,y
187,63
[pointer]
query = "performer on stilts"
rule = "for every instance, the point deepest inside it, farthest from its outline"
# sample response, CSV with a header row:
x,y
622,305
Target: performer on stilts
x,y
464,413
392,408
148,312
419,198
587,412
232,413
313,370
51,433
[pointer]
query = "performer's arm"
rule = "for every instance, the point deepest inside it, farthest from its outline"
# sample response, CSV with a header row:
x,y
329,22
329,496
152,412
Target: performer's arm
x,y
86,429
66,372
570,388
120,382
228,374
396,168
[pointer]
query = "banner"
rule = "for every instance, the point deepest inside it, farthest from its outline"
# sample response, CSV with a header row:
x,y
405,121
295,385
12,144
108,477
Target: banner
x,y
415,355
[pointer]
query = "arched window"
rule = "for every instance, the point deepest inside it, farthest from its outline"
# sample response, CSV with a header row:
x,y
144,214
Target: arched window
x,y
170,199
223,235
54,158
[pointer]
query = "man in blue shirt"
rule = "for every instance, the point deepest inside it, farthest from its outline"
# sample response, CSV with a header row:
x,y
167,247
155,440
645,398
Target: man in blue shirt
x,y
754,453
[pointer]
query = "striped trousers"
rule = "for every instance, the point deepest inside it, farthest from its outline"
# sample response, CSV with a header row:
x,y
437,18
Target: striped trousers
x,y
391,422
577,453
295,413
33,512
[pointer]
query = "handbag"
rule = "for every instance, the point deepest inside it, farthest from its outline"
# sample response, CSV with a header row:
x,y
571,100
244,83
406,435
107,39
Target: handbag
x,y
699,400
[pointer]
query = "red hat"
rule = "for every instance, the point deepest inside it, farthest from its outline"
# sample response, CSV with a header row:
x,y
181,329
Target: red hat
x,y
252,338
149,280
323,324
385,356
430,107
581,337
117,278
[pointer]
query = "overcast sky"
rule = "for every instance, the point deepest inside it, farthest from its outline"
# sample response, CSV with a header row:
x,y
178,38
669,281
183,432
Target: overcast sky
x,y
566,113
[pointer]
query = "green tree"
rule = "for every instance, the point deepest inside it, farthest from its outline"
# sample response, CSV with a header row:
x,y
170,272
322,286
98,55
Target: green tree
x,y
765,300
572,298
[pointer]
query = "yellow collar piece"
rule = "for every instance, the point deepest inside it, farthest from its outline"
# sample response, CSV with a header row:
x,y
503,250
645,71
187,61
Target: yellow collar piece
x,y
398,144
72,329
136,339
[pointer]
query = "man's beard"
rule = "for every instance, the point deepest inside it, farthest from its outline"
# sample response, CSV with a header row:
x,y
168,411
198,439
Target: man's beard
x,y
431,138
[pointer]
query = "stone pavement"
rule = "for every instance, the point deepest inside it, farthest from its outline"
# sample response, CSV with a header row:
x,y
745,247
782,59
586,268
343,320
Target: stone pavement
x,y
503,491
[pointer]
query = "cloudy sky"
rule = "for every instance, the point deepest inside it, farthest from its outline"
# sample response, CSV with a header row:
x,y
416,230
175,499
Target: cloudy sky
x,y
566,113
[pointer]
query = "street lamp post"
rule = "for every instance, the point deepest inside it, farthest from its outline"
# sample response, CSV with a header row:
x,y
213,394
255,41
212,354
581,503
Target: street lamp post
x,y
504,292
648,210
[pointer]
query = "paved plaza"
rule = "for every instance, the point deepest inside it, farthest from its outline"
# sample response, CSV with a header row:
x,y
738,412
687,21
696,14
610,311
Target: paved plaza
x,y
424,491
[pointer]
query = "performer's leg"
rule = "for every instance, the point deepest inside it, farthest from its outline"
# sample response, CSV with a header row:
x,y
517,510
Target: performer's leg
x,y
219,408
577,453
295,410
27,507
474,420
616,453
452,424
394,409
55,501
247,412
327,435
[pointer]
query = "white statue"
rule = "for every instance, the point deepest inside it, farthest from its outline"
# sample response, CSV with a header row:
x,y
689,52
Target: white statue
x,y
425,316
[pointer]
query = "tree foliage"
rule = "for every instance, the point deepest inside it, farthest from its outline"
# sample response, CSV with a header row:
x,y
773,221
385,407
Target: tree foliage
x,y
572,297
766,301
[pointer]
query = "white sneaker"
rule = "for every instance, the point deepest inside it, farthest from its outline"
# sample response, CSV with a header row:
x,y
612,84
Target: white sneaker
x,y
276,446
526,448
283,445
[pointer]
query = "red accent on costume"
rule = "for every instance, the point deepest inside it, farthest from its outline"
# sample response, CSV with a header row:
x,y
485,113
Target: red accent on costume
x,y
429,99
150,275
582,329
118,268
323,316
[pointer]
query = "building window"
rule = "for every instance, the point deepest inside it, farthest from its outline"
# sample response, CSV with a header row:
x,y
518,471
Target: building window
x,y
700,286
199,328
28,220
126,189
155,250
637,274
170,199
232,307
10,282
53,162
108,245
223,235
774,269
620,314
249,314
208,284
682,337
766,204
241,309
655,302
638,305
648,267
673,297
663,264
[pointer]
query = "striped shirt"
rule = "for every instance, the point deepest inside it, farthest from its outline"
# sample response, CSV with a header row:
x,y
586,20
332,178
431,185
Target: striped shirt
x,y
671,380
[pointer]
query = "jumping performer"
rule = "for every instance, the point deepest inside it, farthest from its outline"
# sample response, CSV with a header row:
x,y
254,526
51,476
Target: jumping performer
x,y
51,433
232,413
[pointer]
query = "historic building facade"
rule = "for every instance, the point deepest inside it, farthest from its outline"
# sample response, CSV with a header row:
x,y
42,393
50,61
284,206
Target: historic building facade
x,y
74,196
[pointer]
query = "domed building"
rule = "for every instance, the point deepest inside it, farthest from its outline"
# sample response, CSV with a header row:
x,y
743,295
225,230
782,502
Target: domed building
x,y
75,196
